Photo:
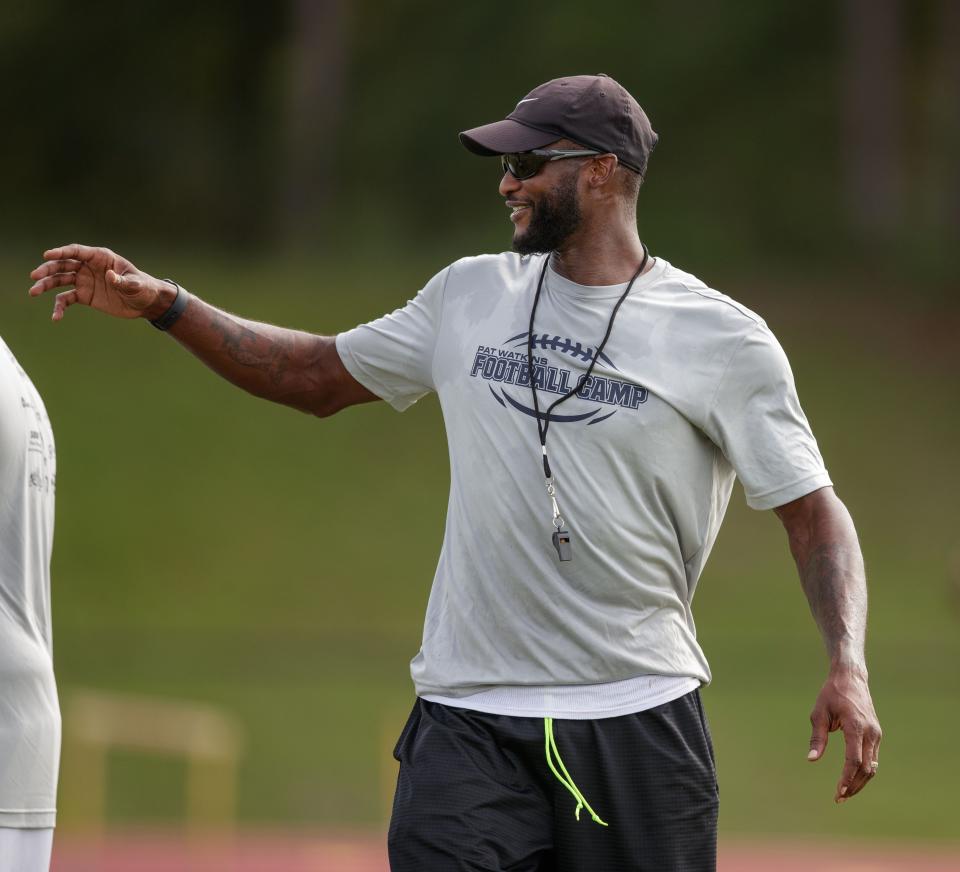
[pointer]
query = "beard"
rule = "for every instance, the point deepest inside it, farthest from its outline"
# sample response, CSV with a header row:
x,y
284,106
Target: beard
x,y
553,219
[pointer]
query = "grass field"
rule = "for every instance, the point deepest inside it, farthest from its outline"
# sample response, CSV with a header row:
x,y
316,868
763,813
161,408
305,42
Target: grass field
x,y
212,547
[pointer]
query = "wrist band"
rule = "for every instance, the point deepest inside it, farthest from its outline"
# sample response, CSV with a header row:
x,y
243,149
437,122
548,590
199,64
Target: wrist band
x,y
169,318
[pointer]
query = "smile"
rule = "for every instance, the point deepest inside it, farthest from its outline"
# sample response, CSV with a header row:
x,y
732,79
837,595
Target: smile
x,y
517,209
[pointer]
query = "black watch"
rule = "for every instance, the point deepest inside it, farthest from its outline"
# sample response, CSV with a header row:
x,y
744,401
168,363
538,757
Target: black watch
x,y
169,318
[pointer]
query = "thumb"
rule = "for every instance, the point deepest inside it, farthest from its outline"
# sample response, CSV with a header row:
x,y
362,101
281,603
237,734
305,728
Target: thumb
x,y
127,285
818,739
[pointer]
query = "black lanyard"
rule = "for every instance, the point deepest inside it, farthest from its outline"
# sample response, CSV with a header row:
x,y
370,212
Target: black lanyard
x,y
561,538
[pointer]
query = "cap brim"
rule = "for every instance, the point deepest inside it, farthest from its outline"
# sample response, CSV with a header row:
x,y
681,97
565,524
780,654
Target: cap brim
x,y
505,137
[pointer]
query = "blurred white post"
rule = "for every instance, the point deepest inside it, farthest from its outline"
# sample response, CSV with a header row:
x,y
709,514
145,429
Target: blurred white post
x,y
96,723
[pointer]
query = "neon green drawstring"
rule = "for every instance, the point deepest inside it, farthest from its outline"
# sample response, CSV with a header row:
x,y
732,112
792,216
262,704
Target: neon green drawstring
x,y
565,779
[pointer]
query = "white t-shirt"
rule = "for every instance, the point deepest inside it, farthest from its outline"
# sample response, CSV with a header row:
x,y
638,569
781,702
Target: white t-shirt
x,y
691,390
29,711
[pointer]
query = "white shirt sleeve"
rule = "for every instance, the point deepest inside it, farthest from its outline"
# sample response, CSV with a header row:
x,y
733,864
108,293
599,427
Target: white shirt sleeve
x,y
393,356
757,422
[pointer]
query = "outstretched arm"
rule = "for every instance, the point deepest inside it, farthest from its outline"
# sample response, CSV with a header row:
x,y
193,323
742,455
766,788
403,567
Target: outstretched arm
x,y
824,545
297,369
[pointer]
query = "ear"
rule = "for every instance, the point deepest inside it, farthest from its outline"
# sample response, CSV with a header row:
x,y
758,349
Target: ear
x,y
601,170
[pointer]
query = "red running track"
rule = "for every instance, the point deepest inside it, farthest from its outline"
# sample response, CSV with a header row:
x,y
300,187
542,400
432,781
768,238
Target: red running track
x,y
313,852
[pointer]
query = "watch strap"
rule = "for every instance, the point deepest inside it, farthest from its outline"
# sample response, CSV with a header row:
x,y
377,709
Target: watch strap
x,y
170,317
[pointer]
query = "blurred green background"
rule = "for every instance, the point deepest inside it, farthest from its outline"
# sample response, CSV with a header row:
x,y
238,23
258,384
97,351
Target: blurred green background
x,y
297,162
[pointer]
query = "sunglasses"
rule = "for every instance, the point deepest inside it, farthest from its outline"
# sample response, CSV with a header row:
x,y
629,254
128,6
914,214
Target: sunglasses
x,y
526,164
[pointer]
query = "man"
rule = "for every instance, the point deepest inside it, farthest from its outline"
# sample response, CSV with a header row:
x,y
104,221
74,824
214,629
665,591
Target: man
x,y
598,404
29,710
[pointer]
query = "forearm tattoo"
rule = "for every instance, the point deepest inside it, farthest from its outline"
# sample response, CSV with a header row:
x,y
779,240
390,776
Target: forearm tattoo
x,y
269,354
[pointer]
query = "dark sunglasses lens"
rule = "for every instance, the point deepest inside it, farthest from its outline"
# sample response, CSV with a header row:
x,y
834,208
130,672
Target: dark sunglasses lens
x,y
522,166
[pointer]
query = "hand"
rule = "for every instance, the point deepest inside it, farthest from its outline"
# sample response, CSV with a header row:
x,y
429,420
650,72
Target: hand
x,y
100,279
844,704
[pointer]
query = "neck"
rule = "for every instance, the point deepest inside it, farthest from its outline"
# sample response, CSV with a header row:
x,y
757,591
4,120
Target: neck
x,y
601,255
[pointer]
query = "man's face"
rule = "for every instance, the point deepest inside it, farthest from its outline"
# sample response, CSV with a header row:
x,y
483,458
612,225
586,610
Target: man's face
x,y
545,208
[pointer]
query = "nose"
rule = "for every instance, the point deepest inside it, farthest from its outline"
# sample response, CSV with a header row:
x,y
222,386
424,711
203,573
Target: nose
x,y
509,185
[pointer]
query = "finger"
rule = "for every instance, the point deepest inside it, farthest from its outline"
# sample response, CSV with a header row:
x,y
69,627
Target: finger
x,y
78,251
859,781
62,302
818,738
869,762
852,764
860,778
55,266
54,281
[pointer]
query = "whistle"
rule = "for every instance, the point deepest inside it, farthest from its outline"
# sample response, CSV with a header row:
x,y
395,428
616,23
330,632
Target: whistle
x,y
561,541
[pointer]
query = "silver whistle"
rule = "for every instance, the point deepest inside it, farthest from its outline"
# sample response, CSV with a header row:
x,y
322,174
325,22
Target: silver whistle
x,y
561,541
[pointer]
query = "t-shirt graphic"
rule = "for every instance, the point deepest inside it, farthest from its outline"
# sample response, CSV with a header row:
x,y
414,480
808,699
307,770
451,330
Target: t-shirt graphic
x,y
504,365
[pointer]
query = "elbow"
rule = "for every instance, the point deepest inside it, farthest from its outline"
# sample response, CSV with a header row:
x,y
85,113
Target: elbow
x,y
316,401
317,398
324,408
326,397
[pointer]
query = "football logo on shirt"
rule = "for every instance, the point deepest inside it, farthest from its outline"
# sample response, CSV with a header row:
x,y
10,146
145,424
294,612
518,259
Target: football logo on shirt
x,y
507,365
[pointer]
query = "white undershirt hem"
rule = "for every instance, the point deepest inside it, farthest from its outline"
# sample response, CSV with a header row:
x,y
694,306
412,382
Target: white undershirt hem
x,y
575,702
25,850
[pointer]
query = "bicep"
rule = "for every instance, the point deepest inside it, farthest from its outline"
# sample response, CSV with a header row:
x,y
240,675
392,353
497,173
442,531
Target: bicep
x,y
816,519
800,511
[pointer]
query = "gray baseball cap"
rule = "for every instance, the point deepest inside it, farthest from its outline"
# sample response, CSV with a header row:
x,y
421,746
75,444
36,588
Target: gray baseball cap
x,y
595,111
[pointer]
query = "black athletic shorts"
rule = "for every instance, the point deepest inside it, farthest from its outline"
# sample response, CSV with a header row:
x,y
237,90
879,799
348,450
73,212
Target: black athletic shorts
x,y
475,792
